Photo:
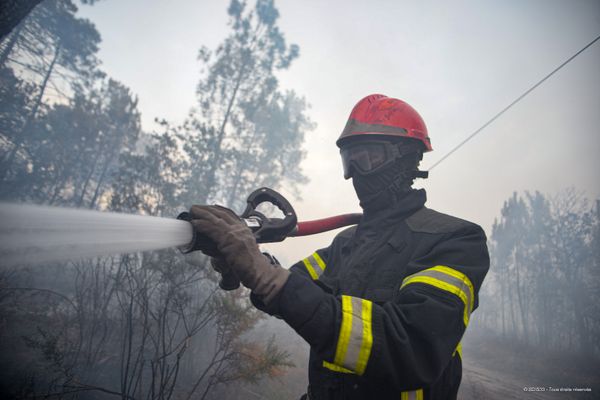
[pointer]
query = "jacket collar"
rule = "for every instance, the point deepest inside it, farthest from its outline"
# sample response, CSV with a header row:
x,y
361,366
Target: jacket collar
x,y
402,208
372,224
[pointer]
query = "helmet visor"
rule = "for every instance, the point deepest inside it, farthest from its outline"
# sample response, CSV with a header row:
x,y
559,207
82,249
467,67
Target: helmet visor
x,y
365,157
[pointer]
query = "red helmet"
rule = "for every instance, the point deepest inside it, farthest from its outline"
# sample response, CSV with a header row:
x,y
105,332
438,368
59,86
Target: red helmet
x,y
384,116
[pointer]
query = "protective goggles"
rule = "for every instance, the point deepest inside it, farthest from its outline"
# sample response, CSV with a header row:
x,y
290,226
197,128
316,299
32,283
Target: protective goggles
x,y
369,157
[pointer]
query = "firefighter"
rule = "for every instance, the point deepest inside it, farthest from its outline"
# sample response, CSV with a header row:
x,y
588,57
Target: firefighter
x,y
385,306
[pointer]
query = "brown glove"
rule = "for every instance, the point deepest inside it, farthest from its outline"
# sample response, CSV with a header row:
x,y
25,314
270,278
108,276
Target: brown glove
x,y
219,265
229,280
239,249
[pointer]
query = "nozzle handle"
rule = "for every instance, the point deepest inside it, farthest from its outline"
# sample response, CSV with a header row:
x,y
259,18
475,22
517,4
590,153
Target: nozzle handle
x,y
265,230
271,229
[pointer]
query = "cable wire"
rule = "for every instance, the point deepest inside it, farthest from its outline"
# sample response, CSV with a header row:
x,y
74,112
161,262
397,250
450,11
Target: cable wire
x,y
495,117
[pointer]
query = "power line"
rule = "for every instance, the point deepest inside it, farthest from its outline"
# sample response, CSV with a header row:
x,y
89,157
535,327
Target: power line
x,y
531,89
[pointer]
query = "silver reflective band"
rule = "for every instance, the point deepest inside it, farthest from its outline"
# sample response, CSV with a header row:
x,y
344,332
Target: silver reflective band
x,y
449,280
314,265
355,339
459,283
412,395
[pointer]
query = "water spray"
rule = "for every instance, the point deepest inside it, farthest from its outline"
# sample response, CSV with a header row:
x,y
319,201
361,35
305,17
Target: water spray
x,y
39,234
35,234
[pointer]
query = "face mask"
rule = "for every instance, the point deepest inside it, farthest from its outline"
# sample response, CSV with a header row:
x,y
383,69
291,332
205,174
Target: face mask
x,y
382,189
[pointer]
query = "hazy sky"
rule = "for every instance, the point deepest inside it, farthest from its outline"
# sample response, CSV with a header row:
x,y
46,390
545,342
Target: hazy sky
x,y
458,63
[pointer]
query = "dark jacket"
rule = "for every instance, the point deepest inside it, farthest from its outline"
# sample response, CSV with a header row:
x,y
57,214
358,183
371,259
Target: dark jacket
x,y
385,306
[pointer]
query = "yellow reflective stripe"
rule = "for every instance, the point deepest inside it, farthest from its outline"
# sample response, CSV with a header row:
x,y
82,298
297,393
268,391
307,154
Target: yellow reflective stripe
x,y
310,269
367,341
355,340
460,276
319,260
336,368
314,265
444,286
412,395
447,279
345,331
458,350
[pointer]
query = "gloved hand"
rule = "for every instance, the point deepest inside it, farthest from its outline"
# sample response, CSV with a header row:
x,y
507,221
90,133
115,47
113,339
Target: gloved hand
x,y
229,280
220,265
239,249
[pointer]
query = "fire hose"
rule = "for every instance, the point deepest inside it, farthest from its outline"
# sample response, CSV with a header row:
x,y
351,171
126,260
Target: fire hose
x,y
33,234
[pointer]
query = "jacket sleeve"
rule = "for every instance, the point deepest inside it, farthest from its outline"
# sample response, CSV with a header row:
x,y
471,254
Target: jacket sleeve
x,y
408,341
312,266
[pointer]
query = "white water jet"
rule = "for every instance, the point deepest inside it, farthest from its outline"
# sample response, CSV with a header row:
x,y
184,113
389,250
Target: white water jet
x,y
37,234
